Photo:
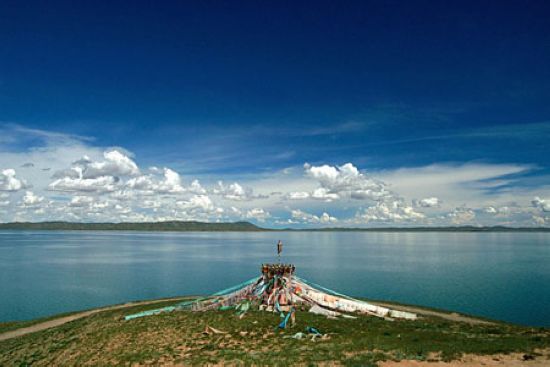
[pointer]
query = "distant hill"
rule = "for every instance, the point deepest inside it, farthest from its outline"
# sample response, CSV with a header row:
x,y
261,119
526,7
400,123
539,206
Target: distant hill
x,y
151,226
189,226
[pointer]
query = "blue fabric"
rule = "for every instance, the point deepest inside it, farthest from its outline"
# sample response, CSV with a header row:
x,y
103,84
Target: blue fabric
x,y
185,304
283,323
150,312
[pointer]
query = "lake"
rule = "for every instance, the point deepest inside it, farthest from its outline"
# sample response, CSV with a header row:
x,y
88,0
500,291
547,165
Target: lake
x,y
504,276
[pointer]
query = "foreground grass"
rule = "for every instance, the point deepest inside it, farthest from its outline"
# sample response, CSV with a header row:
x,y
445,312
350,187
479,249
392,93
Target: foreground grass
x,y
105,339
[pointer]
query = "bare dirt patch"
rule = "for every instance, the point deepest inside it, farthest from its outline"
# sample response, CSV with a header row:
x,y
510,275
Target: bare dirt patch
x,y
497,360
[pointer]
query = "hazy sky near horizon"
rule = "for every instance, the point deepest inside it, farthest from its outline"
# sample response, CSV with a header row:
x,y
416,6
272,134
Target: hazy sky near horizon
x,y
363,113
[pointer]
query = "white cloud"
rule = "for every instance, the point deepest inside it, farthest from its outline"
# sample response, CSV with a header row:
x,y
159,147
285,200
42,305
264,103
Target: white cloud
x,y
455,184
258,214
322,193
298,195
505,210
109,185
196,187
150,204
9,181
81,201
326,218
236,192
389,212
99,185
345,180
304,217
170,183
542,204
124,195
30,199
540,220
462,216
236,211
115,164
86,175
197,202
4,202
430,202
142,183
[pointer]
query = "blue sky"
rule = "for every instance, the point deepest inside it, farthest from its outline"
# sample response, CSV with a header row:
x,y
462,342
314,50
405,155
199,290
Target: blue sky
x,y
433,92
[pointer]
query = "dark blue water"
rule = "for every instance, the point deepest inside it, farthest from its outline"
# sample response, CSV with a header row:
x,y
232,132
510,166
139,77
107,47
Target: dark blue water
x,y
503,276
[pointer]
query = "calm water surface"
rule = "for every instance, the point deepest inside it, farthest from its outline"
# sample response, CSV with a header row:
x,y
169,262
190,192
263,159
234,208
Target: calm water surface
x,y
503,276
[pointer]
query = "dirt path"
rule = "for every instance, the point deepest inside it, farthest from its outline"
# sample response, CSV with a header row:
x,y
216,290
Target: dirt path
x,y
421,311
63,320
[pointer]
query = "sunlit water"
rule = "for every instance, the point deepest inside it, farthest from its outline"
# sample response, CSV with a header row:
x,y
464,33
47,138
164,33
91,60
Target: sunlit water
x,y
502,276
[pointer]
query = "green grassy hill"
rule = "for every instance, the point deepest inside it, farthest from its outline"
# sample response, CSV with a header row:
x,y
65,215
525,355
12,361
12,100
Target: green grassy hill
x,y
179,338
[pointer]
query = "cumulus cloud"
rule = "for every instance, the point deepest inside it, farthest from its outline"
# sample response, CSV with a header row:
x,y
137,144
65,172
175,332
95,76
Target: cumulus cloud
x,y
322,193
115,164
197,202
506,211
542,204
258,214
236,192
30,199
170,183
540,220
86,175
326,218
109,185
123,195
196,187
431,202
390,211
236,211
462,215
81,201
99,185
305,217
118,172
4,202
9,181
297,195
345,180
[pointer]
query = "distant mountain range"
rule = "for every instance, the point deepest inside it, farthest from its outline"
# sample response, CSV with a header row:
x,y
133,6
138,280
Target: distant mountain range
x,y
151,226
187,226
